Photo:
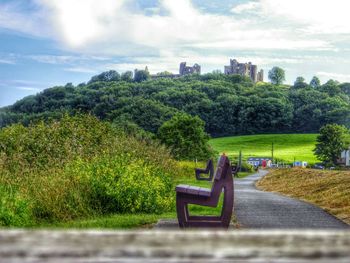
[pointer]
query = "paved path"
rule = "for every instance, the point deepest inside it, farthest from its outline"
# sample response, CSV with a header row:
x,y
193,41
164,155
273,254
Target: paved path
x,y
258,209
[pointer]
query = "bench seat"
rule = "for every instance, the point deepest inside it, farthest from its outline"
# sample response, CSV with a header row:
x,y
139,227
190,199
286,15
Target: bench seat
x,y
193,190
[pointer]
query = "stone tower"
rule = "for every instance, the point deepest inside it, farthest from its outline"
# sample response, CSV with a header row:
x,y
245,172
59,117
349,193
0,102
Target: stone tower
x,y
244,69
186,70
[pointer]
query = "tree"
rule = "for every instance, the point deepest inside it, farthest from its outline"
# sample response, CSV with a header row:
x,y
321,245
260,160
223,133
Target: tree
x,y
332,140
127,76
110,75
345,87
299,83
331,87
315,82
164,73
186,137
277,75
216,72
141,75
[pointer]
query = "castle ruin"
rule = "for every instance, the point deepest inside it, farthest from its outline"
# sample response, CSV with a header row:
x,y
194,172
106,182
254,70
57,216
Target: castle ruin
x,y
244,69
186,70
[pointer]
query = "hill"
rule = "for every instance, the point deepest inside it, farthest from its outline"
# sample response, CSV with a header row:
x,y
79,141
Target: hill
x,y
286,146
228,104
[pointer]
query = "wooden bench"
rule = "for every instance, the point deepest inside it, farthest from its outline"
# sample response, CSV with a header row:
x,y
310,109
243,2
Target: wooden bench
x,y
209,169
186,194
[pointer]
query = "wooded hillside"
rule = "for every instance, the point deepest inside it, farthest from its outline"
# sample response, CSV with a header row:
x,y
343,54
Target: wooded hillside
x,y
229,105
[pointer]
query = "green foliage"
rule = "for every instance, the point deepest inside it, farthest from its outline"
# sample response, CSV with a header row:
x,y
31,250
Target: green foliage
x,y
14,209
333,139
79,167
124,124
277,75
111,75
300,83
164,73
147,114
331,87
246,167
41,146
127,76
228,104
186,137
141,75
122,184
345,88
315,82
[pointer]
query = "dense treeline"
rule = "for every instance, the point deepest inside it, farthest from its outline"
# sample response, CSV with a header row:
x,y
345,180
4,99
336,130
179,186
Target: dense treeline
x,y
229,105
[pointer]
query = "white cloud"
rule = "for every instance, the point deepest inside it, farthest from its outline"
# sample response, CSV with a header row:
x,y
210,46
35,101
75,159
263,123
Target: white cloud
x,y
28,89
111,27
268,43
62,60
81,21
265,32
7,61
25,82
52,59
246,7
82,70
12,17
326,16
310,16
337,76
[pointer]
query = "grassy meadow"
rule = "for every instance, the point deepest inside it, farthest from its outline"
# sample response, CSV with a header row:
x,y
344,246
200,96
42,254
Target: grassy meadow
x,y
329,190
286,146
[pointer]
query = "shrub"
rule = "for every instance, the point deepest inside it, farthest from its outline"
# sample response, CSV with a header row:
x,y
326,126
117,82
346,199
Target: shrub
x,y
80,167
123,184
246,167
45,146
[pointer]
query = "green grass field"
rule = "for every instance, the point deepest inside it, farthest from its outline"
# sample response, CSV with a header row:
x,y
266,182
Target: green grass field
x,y
286,146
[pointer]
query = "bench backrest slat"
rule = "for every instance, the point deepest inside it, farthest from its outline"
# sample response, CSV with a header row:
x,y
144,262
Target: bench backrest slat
x,y
220,174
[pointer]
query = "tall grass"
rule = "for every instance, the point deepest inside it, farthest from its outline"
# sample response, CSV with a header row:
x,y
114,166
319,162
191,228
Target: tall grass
x,y
79,167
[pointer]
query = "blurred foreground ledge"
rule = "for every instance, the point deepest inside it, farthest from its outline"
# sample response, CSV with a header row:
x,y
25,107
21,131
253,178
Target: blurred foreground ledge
x,y
174,246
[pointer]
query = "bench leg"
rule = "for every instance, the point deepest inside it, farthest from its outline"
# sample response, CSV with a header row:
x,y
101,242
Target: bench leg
x,y
227,207
182,211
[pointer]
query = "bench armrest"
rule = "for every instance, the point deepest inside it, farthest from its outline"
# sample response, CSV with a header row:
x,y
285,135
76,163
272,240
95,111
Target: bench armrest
x,y
209,170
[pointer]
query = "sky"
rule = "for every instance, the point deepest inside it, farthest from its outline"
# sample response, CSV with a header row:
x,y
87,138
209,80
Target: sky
x,y
44,43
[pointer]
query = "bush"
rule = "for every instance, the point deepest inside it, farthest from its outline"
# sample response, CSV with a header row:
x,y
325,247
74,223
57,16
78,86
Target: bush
x,y
246,167
123,184
45,146
80,167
